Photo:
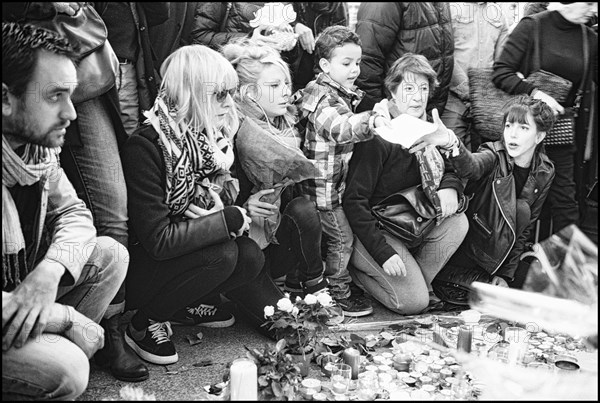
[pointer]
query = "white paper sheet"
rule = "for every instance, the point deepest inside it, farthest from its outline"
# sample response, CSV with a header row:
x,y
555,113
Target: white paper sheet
x,y
405,130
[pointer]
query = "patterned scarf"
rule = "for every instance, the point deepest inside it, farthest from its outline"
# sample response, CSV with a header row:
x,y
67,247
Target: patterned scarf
x,y
431,167
37,164
188,155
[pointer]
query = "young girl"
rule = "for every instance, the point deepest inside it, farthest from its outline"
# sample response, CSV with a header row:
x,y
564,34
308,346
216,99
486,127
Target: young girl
x,y
286,227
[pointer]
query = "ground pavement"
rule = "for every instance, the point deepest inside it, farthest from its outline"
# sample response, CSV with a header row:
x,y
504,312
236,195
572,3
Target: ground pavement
x,y
184,380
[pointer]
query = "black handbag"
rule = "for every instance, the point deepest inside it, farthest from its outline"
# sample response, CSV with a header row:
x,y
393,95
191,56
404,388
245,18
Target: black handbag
x,y
487,101
87,34
409,215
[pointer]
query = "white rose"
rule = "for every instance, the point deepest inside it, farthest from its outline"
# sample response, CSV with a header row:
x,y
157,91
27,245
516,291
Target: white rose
x,y
284,304
324,299
298,299
310,299
269,311
295,311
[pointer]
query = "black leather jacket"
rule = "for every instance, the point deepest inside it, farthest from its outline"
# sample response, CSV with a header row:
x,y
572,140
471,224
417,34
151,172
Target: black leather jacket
x,y
499,223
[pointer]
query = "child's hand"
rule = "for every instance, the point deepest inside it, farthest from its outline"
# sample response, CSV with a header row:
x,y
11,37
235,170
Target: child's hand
x,y
381,121
257,208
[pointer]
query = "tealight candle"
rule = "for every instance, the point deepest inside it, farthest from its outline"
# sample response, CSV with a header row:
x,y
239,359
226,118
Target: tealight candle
x,y
243,380
560,339
415,374
383,368
384,378
425,380
378,359
435,354
541,335
387,355
429,388
320,397
445,372
373,368
419,395
311,383
410,381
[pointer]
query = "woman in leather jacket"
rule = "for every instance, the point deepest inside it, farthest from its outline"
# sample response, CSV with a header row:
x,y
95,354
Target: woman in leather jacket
x,y
509,180
186,237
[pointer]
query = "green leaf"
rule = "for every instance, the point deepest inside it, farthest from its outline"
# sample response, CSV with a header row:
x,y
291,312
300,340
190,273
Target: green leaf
x,y
281,344
263,381
276,386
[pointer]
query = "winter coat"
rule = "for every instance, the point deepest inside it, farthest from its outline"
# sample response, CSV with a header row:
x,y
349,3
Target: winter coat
x,y
390,30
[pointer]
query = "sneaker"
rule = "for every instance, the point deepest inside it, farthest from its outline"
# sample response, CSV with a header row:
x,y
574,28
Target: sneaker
x,y
153,343
355,305
203,315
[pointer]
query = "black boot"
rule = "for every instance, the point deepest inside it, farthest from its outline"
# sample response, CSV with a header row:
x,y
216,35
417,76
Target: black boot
x,y
124,363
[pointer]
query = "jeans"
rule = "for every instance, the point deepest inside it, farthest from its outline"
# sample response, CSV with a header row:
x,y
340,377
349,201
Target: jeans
x,y
51,367
562,196
128,97
338,238
298,254
234,268
409,295
96,173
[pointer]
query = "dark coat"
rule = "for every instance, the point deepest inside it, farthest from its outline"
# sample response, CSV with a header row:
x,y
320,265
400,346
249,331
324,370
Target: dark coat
x,y
390,30
499,224
148,79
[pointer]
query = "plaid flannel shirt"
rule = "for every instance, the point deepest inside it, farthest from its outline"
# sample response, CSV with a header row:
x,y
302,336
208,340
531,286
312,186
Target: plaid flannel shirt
x,y
326,110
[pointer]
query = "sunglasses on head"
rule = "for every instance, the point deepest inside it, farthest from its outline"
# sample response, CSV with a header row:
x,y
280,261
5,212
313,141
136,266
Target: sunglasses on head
x,y
222,95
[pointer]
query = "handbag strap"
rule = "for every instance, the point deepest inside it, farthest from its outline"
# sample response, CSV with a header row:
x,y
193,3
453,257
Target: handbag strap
x,y
537,63
228,6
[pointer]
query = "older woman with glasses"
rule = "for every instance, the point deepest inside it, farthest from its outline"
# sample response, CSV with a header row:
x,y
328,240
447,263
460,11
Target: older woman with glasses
x,y
186,239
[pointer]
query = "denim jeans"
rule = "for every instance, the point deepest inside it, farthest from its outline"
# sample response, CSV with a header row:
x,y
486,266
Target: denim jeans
x,y
562,198
128,97
96,173
51,367
338,238
298,254
409,295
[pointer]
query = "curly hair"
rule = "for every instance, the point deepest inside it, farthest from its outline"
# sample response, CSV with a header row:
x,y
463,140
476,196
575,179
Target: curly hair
x,y
516,110
21,44
333,37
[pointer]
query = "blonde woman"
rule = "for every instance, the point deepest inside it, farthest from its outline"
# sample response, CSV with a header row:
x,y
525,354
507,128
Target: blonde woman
x,y
186,240
285,226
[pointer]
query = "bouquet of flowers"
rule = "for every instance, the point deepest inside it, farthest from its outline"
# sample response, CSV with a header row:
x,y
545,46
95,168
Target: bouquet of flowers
x,y
299,323
278,375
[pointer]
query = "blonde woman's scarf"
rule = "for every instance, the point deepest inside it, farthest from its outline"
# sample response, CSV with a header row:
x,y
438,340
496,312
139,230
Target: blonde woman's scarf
x,y
189,159
37,163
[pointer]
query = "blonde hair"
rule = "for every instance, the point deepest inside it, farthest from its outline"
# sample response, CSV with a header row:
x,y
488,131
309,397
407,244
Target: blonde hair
x,y
249,59
190,77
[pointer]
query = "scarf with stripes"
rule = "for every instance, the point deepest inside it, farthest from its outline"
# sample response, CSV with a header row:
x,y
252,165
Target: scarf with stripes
x,y
188,155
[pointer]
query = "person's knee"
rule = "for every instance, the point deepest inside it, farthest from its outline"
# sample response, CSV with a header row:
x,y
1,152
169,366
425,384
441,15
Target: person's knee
x,y
112,258
251,256
70,373
304,214
409,306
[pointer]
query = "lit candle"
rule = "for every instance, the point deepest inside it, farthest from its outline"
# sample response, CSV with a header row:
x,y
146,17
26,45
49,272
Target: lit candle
x,y
243,380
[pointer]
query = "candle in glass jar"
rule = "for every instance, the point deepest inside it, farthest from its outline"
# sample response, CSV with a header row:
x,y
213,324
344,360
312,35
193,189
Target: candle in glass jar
x,y
465,337
243,382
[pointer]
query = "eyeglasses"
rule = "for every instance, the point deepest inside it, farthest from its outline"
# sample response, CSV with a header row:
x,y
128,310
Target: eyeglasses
x,y
222,95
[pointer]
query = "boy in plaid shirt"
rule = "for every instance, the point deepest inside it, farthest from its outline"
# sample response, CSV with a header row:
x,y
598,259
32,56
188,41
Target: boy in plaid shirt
x,y
326,109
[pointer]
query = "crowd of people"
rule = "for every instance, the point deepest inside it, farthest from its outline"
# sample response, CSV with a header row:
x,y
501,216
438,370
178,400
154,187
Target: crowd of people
x,y
224,164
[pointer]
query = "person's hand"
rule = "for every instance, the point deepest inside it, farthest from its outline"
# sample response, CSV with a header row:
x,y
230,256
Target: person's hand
x,y
381,121
382,108
69,8
257,208
306,37
246,226
85,333
257,35
441,137
26,310
499,281
194,211
394,266
448,200
551,102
